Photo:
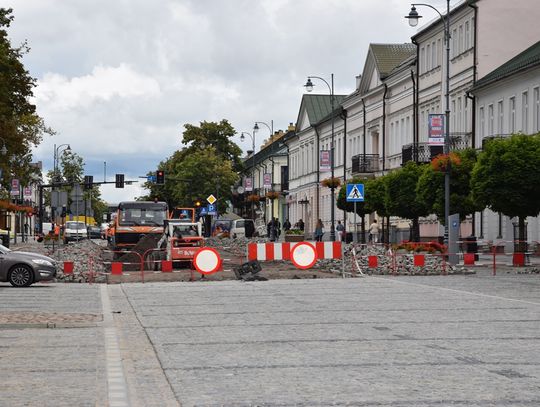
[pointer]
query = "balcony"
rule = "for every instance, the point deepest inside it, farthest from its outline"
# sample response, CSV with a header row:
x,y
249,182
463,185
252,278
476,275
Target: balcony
x,y
365,163
424,153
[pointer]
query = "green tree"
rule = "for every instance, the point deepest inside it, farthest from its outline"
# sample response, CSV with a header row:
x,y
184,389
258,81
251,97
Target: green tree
x,y
506,177
430,188
401,196
209,164
216,135
20,127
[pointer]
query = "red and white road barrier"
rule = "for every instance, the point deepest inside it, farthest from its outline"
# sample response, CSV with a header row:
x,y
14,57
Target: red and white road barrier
x,y
283,251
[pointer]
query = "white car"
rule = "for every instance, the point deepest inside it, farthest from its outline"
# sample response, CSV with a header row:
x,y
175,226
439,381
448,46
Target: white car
x,y
74,231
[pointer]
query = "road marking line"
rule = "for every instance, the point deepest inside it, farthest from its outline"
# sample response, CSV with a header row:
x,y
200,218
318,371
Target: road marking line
x,y
116,382
458,291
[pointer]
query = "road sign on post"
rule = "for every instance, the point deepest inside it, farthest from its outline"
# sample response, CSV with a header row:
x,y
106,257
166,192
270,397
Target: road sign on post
x,y
211,210
211,199
355,193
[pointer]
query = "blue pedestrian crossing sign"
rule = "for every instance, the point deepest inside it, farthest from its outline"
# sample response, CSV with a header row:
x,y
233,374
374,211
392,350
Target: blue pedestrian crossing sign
x,y
203,211
355,192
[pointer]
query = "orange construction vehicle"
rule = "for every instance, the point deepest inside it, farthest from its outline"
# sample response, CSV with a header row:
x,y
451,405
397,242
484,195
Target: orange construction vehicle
x,y
135,220
180,241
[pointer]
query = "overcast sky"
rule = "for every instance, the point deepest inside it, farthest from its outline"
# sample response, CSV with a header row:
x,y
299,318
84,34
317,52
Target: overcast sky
x,y
118,79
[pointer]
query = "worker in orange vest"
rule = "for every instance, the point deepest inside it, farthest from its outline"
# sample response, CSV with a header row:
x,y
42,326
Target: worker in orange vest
x,y
56,230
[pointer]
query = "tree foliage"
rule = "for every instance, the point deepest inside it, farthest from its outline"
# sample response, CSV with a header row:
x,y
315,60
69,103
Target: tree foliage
x,y
506,177
20,126
401,196
430,187
209,164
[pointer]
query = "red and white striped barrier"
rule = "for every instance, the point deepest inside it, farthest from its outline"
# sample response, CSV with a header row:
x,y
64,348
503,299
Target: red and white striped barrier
x,y
282,251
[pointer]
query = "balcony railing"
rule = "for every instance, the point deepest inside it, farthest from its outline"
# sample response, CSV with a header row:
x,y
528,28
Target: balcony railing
x,y
424,153
365,163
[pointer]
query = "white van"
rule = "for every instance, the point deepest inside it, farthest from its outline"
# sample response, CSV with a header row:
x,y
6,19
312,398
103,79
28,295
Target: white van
x,y
242,228
74,231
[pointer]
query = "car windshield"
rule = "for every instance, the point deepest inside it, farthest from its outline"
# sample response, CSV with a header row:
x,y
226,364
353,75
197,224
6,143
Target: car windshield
x,y
75,225
142,217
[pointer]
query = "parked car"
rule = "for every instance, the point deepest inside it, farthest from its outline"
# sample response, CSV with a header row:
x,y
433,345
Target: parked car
x,y
74,231
94,232
242,228
22,269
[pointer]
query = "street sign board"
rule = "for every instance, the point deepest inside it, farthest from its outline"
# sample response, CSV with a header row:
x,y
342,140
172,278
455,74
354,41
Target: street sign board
x,y
207,261
15,187
203,211
151,178
211,199
325,161
267,180
248,184
355,192
304,255
211,210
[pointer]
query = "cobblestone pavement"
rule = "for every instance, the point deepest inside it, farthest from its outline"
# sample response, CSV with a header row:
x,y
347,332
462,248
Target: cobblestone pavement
x,y
375,341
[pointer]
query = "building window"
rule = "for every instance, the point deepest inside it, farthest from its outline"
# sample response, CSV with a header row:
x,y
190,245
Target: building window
x,y
439,51
460,115
433,55
500,227
460,39
500,117
453,128
512,119
428,57
467,35
490,120
536,124
482,123
454,50
525,112
422,59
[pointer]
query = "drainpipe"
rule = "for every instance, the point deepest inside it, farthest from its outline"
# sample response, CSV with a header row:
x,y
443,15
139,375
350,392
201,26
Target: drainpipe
x,y
415,107
475,72
318,173
384,127
363,218
343,116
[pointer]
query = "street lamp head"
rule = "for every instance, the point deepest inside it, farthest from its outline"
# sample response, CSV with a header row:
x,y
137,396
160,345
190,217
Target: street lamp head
x,y
309,85
68,148
242,137
256,127
413,17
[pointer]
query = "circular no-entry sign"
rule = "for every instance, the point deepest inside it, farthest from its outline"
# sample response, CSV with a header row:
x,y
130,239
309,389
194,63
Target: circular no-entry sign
x,y
207,261
303,255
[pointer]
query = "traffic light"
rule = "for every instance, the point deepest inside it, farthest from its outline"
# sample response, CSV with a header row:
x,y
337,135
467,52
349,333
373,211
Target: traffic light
x,y
160,177
197,203
119,180
88,181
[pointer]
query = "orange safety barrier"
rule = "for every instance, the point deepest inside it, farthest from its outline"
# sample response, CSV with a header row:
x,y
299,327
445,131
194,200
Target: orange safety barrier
x,y
68,267
166,266
373,261
116,268
419,260
469,259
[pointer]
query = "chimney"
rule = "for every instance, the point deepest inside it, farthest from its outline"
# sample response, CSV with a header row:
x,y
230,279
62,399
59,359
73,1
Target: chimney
x,y
291,127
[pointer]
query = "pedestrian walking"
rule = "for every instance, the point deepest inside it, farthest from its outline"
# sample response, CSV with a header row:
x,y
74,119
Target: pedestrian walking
x,y
374,232
286,225
319,231
300,224
340,230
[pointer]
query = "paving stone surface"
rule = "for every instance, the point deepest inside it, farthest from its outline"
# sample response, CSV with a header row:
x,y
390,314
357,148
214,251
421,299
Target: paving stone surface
x,y
407,341
375,341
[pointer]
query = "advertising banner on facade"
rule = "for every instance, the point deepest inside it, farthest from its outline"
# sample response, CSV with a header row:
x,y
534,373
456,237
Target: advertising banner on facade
x,y
267,180
248,184
27,193
15,187
325,163
436,129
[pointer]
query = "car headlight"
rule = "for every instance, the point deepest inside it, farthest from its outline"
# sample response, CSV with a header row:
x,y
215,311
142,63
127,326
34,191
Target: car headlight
x,y
43,262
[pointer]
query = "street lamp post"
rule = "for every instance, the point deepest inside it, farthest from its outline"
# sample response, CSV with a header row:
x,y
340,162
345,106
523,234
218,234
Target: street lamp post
x,y
271,129
57,158
252,137
309,87
413,22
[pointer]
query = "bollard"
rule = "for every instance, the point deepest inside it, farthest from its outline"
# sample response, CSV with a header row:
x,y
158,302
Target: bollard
x,y
468,259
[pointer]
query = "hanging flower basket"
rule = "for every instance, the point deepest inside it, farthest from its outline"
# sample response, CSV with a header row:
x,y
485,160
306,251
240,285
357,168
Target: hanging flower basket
x,y
440,162
253,198
331,182
10,207
272,195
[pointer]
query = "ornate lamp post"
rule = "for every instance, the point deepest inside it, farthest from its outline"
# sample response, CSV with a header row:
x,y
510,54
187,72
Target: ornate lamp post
x,y
309,87
252,137
413,22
